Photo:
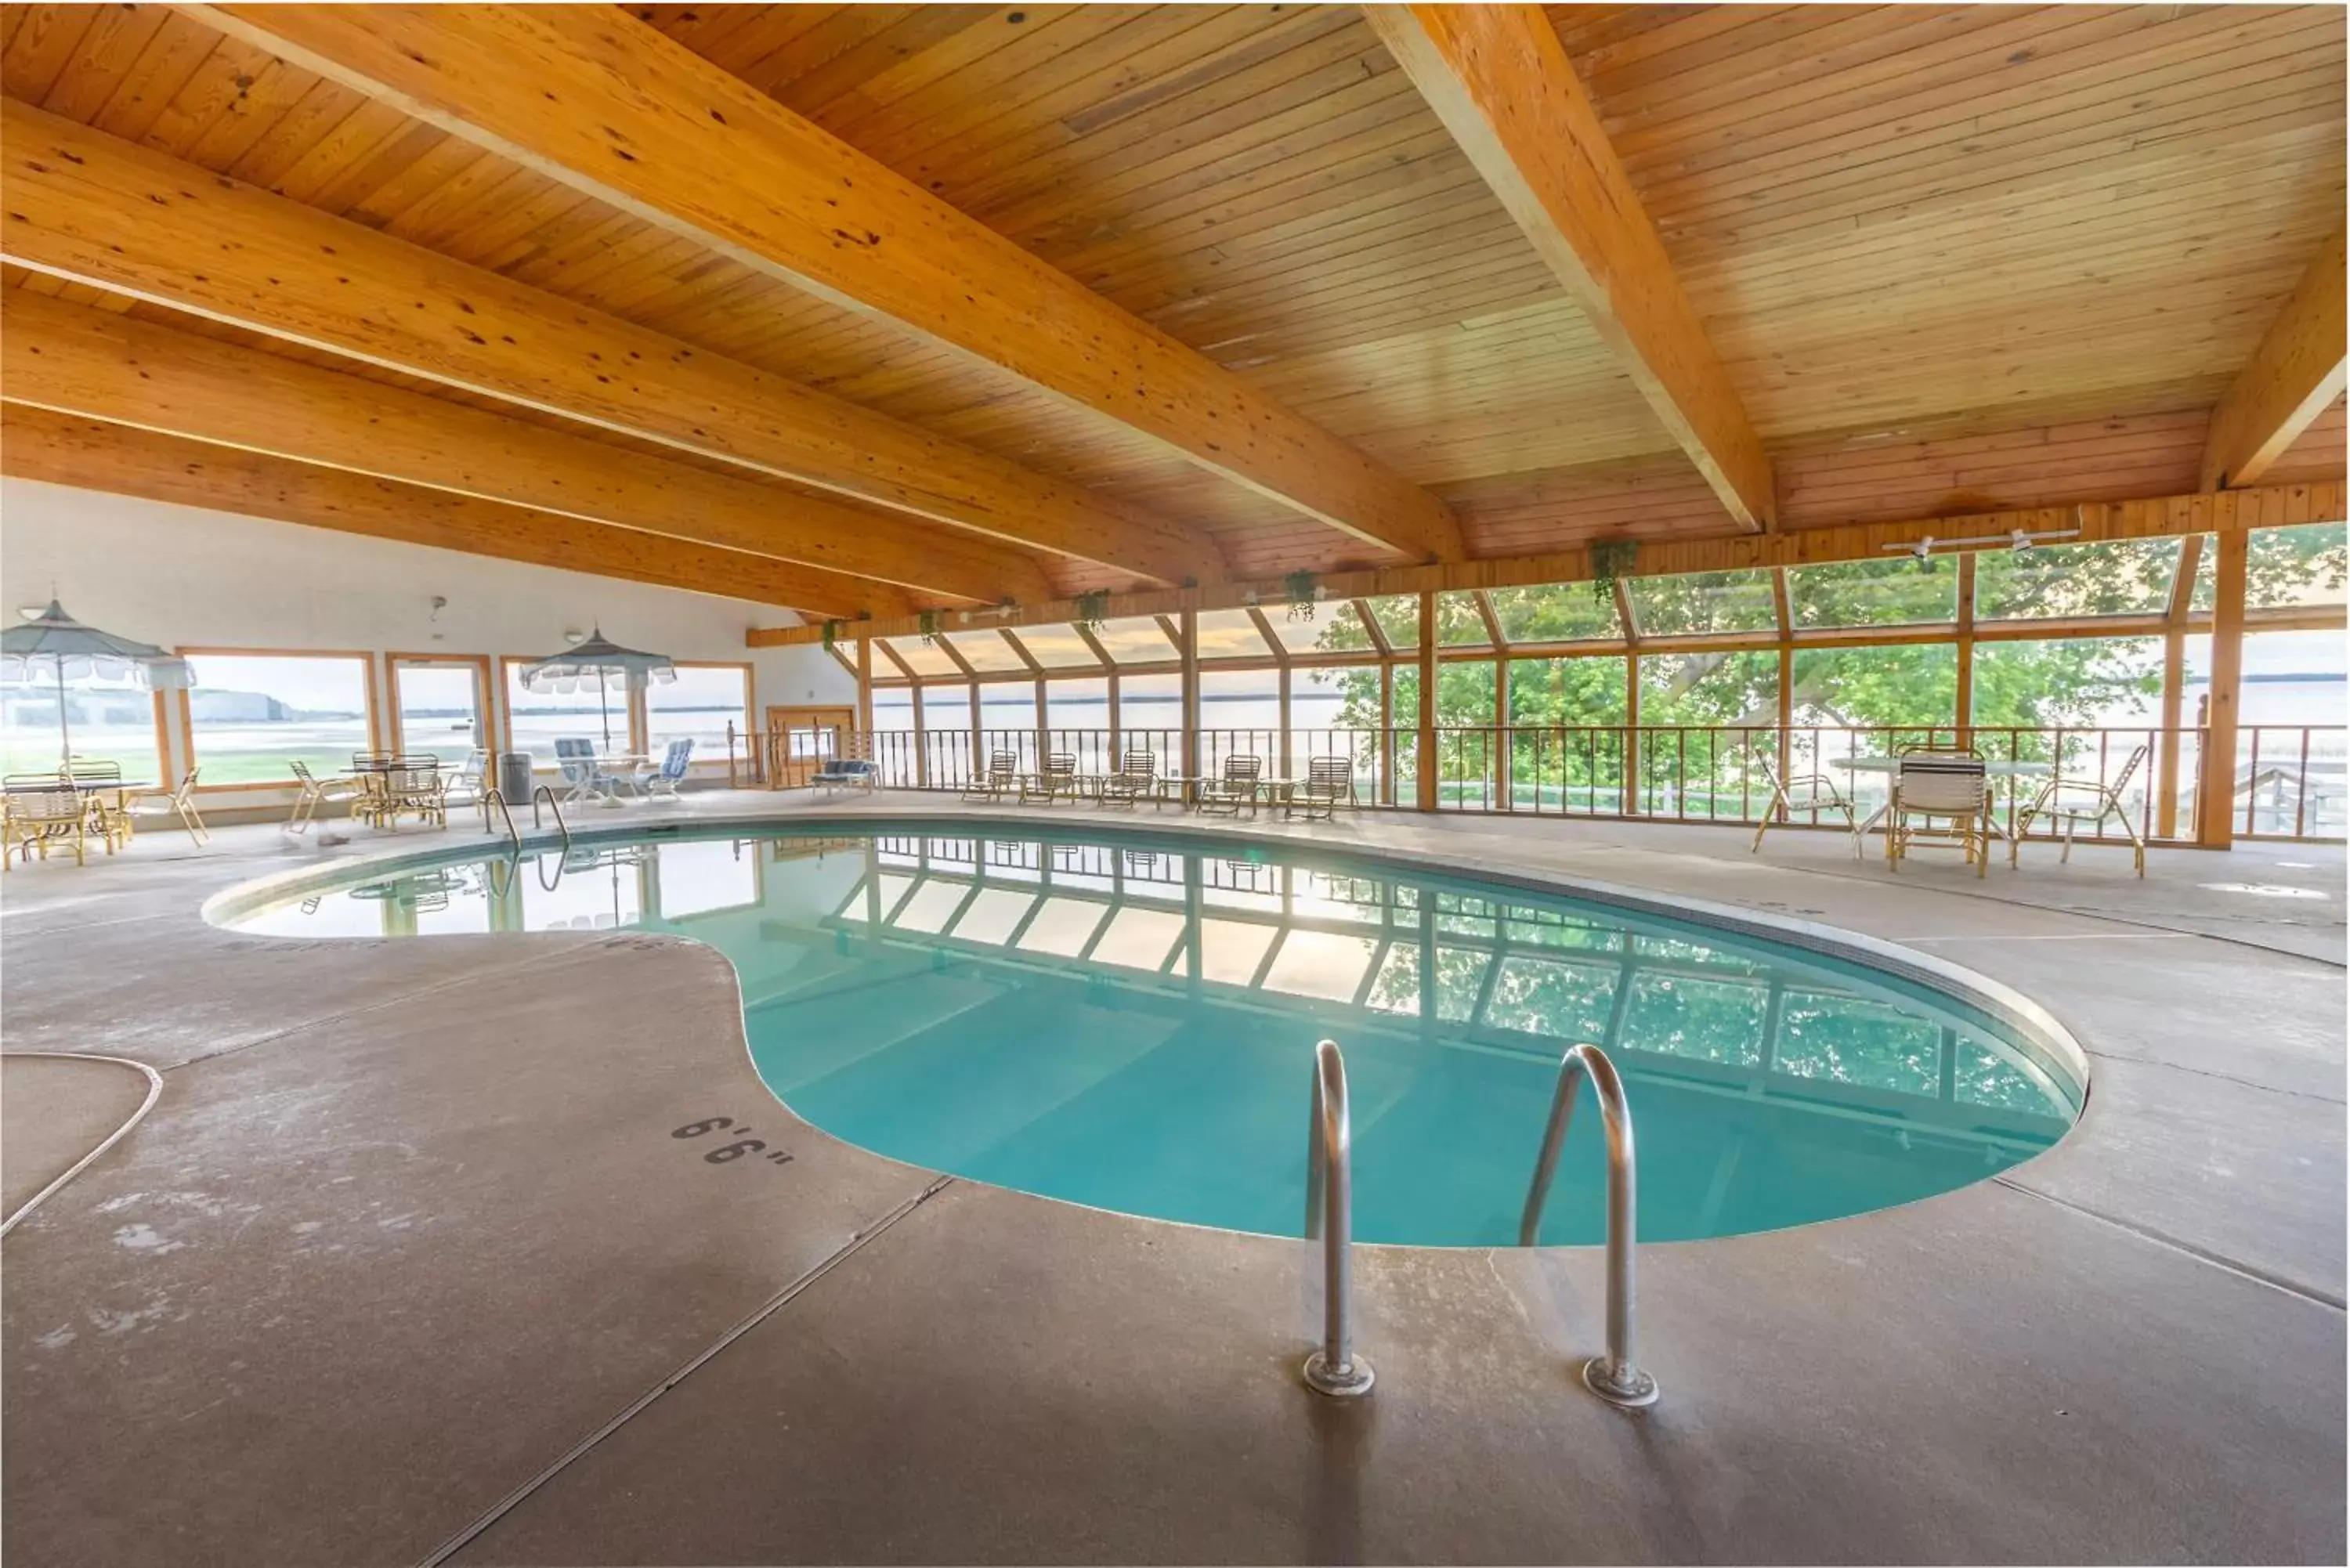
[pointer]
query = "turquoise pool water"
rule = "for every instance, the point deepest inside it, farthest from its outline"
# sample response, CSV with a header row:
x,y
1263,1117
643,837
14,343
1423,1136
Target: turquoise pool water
x,y
1124,1022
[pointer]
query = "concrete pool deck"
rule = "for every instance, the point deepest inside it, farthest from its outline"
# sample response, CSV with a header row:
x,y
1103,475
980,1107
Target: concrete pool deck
x,y
405,1262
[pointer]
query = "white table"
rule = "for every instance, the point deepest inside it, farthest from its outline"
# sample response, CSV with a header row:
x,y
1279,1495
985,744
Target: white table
x,y
1885,765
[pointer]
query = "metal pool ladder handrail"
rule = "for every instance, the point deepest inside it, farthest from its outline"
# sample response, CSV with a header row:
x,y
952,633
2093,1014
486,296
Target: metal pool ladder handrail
x,y
554,805
497,798
1614,1377
1335,1369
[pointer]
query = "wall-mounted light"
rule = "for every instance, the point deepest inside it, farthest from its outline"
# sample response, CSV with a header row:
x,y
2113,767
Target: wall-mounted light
x,y
574,637
32,612
2017,540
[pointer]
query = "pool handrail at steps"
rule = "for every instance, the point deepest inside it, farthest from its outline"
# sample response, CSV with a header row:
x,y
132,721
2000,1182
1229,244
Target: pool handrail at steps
x,y
554,805
1615,1376
1334,1369
494,797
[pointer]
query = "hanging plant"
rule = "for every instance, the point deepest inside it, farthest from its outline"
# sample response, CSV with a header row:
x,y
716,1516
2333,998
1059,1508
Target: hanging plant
x,y
1299,586
831,634
1093,609
929,624
1610,559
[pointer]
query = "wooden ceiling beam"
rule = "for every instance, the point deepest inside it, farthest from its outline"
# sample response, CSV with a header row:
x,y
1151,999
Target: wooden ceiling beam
x,y
73,358
1499,79
93,208
2294,375
90,455
593,98
2160,516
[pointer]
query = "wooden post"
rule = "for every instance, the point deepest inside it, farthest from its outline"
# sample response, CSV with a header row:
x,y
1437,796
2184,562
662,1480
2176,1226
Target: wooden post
x,y
864,696
2174,687
1117,742
1504,751
1386,735
2215,824
1966,699
1427,701
1631,731
1043,726
921,741
978,743
1190,628
1288,762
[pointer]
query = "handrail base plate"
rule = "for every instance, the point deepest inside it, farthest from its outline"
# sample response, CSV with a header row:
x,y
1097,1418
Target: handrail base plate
x,y
1637,1392
1355,1380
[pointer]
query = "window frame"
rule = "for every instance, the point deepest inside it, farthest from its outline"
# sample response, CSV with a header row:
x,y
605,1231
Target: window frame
x,y
484,697
367,659
643,700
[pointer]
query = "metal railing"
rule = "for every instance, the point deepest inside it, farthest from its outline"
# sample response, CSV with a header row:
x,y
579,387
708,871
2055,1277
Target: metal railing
x,y
1615,1377
497,797
1334,1369
2290,779
554,805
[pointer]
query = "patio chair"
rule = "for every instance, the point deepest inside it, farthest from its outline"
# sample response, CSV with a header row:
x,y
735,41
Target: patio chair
x,y
1235,789
1136,779
1002,778
1057,782
1328,781
1813,793
2094,800
575,755
318,791
411,786
660,782
846,773
1943,794
182,801
469,783
43,809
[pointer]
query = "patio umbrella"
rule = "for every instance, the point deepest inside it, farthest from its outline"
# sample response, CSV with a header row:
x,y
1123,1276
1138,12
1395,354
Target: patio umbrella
x,y
601,661
60,646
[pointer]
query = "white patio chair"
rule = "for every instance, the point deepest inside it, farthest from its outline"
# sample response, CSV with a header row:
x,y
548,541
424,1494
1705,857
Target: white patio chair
x,y
1941,794
2094,800
1811,793
180,800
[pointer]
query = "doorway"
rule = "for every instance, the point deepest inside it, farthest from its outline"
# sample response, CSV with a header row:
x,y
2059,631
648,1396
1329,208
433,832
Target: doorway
x,y
800,740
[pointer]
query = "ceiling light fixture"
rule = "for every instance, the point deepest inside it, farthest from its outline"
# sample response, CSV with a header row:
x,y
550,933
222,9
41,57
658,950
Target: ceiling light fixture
x,y
2019,541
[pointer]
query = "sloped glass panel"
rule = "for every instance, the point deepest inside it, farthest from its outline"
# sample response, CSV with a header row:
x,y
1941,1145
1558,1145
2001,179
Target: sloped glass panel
x,y
1702,602
1556,612
923,659
985,650
1334,627
1872,592
1228,634
1458,622
2109,576
2296,567
1136,639
1056,647
1398,618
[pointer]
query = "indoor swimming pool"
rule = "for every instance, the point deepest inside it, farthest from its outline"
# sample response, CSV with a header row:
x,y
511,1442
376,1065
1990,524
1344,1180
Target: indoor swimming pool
x,y
1128,1022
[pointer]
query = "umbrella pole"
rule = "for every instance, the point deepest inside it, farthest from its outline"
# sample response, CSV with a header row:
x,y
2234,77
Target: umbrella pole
x,y
65,724
604,704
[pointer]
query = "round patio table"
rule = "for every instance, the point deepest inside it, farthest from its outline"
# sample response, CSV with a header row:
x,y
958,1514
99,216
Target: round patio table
x,y
1885,765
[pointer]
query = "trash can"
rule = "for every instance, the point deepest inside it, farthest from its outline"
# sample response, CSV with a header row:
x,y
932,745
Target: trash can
x,y
514,778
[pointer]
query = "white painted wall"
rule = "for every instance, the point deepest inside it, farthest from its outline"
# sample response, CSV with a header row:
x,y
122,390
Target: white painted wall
x,y
187,576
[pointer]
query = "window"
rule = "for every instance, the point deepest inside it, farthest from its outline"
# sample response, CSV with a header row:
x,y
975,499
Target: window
x,y
2111,576
1862,687
1135,640
537,720
1333,627
1078,702
1459,624
698,706
251,716
1007,705
1151,716
1557,612
893,708
985,651
1057,646
2296,567
1872,592
437,707
1228,634
2078,680
922,658
946,705
1240,716
1710,688
1398,618
1703,602
109,720
1566,691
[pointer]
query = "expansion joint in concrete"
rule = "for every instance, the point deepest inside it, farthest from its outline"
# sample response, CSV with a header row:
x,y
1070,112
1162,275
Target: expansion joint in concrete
x,y
765,1310
2233,1265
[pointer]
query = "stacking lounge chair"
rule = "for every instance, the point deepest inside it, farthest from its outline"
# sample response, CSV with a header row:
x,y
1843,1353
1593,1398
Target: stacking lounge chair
x,y
469,783
182,801
660,782
2093,801
1057,782
583,775
1812,793
1939,794
1136,779
1328,782
1235,789
1002,778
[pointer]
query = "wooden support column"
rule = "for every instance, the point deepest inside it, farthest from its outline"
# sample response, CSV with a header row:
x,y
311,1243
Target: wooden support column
x,y
1504,753
978,743
1631,731
864,691
922,740
1288,763
1117,742
2215,825
1427,701
1386,735
1783,610
1189,627
1966,698
2174,687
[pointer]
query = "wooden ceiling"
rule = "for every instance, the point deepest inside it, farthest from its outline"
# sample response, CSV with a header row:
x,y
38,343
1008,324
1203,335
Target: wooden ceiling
x,y
1950,259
